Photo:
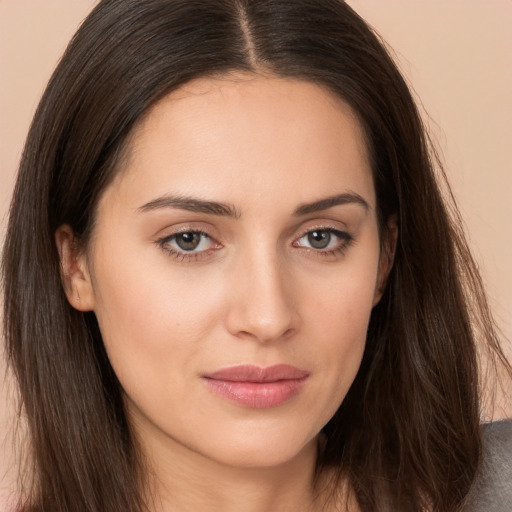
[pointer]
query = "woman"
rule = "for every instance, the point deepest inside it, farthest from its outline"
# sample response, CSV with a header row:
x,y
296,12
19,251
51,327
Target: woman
x,y
231,280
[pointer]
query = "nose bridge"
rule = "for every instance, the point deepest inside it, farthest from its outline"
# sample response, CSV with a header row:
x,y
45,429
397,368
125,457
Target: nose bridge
x,y
263,307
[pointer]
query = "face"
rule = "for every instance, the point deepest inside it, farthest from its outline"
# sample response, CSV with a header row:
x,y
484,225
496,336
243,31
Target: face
x,y
234,266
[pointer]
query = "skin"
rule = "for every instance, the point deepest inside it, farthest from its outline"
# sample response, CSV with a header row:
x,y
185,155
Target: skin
x,y
254,291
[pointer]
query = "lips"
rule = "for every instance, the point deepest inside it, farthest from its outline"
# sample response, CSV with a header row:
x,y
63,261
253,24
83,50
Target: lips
x,y
252,386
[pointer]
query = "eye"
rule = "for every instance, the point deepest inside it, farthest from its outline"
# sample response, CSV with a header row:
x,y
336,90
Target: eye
x,y
319,239
190,241
188,244
326,240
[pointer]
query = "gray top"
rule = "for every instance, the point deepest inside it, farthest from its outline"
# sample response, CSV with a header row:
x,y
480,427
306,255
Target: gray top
x,y
492,491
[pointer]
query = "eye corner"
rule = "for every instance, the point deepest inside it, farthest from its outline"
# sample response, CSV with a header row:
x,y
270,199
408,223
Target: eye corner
x,y
188,245
330,241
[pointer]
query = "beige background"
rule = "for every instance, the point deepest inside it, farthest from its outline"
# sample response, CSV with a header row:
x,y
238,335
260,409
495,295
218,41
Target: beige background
x,y
457,54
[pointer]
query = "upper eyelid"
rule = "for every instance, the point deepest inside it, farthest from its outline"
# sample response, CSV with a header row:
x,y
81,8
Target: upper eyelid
x,y
173,235
298,233
320,227
181,254
210,233
342,234
182,231
323,223
171,231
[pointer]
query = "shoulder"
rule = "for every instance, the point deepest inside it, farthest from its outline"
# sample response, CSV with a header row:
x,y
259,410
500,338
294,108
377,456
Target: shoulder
x,y
492,491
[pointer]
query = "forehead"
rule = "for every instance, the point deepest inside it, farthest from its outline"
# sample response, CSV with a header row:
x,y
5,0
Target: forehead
x,y
248,136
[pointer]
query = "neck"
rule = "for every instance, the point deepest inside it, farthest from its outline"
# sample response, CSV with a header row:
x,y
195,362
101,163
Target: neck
x,y
185,480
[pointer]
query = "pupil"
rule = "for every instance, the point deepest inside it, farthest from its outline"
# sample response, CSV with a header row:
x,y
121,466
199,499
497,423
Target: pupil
x,y
319,239
188,241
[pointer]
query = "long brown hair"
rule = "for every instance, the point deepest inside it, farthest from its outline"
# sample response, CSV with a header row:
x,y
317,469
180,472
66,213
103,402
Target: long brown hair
x,y
407,436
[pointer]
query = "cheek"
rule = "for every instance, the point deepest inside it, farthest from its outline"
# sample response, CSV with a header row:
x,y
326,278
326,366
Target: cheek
x,y
342,297
341,319
336,313
151,321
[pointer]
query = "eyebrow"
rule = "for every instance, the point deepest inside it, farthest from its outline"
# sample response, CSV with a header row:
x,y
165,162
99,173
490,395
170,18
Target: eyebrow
x,y
191,204
227,210
329,202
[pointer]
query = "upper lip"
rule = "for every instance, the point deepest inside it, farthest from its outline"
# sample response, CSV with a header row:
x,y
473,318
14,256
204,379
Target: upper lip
x,y
251,373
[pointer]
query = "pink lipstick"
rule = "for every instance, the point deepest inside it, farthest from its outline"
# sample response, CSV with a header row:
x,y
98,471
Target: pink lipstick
x,y
256,387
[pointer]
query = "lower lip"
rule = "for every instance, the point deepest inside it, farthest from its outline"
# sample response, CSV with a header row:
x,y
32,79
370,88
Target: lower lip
x,y
258,395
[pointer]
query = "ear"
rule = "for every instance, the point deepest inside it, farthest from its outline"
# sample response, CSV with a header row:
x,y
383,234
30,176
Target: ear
x,y
387,257
74,272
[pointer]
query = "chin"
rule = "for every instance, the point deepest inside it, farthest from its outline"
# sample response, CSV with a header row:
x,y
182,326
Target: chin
x,y
262,449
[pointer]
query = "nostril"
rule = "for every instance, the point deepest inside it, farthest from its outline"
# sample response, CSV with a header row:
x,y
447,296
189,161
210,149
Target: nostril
x,y
289,332
243,325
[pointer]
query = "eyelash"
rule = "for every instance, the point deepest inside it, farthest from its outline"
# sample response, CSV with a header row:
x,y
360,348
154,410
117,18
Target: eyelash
x,y
346,239
185,255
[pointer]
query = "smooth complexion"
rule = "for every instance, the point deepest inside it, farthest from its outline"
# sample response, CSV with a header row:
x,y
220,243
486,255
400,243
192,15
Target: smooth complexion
x,y
239,236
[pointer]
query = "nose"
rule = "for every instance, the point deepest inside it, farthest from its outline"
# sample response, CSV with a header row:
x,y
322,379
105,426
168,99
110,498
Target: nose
x,y
263,307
